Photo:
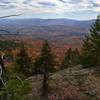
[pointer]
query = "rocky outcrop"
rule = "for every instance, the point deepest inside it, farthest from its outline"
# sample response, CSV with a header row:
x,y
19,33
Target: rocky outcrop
x,y
73,83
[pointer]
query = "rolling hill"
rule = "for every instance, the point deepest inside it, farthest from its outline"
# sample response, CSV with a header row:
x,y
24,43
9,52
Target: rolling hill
x,y
52,29
45,24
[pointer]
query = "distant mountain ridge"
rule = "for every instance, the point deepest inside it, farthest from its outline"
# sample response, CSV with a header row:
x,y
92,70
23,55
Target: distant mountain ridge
x,y
45,26
64,31
45,22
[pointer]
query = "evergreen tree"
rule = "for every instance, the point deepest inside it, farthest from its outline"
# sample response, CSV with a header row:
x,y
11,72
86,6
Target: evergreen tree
x,y
67,61
76,56
23,62
71,58
44,64
90,53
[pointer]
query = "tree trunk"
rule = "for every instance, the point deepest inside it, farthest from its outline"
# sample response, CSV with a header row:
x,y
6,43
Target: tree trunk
x,y
3,75
45,86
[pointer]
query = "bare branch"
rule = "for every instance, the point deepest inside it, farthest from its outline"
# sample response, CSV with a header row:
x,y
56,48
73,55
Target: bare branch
x,y
10,16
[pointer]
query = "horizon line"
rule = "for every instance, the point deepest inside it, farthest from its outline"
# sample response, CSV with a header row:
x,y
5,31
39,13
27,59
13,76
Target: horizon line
x,y
50,19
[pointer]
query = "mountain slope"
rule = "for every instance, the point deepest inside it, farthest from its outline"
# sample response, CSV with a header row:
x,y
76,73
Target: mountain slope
x,y
56,30
45,26
45,22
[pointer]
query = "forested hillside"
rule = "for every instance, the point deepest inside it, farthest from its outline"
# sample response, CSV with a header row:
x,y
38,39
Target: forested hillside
x,y
40,69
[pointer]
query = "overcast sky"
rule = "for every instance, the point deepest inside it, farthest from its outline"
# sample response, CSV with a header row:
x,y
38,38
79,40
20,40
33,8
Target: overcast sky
x,y
72,9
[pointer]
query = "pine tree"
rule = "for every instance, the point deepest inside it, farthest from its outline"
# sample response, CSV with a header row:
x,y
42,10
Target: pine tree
x,y
23,62
76,56
67,61
44,64
71,58
90,53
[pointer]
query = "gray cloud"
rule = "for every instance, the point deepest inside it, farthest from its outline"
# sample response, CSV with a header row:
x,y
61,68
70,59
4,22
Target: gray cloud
x,y
53,6
48,4
63,1
5,1
74,1
95,4
27,1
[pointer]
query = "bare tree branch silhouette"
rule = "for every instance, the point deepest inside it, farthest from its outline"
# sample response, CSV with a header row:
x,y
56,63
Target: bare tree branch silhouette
x,y
7,16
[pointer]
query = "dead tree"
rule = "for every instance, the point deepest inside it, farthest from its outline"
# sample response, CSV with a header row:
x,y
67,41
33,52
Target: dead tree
x,y
2,71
